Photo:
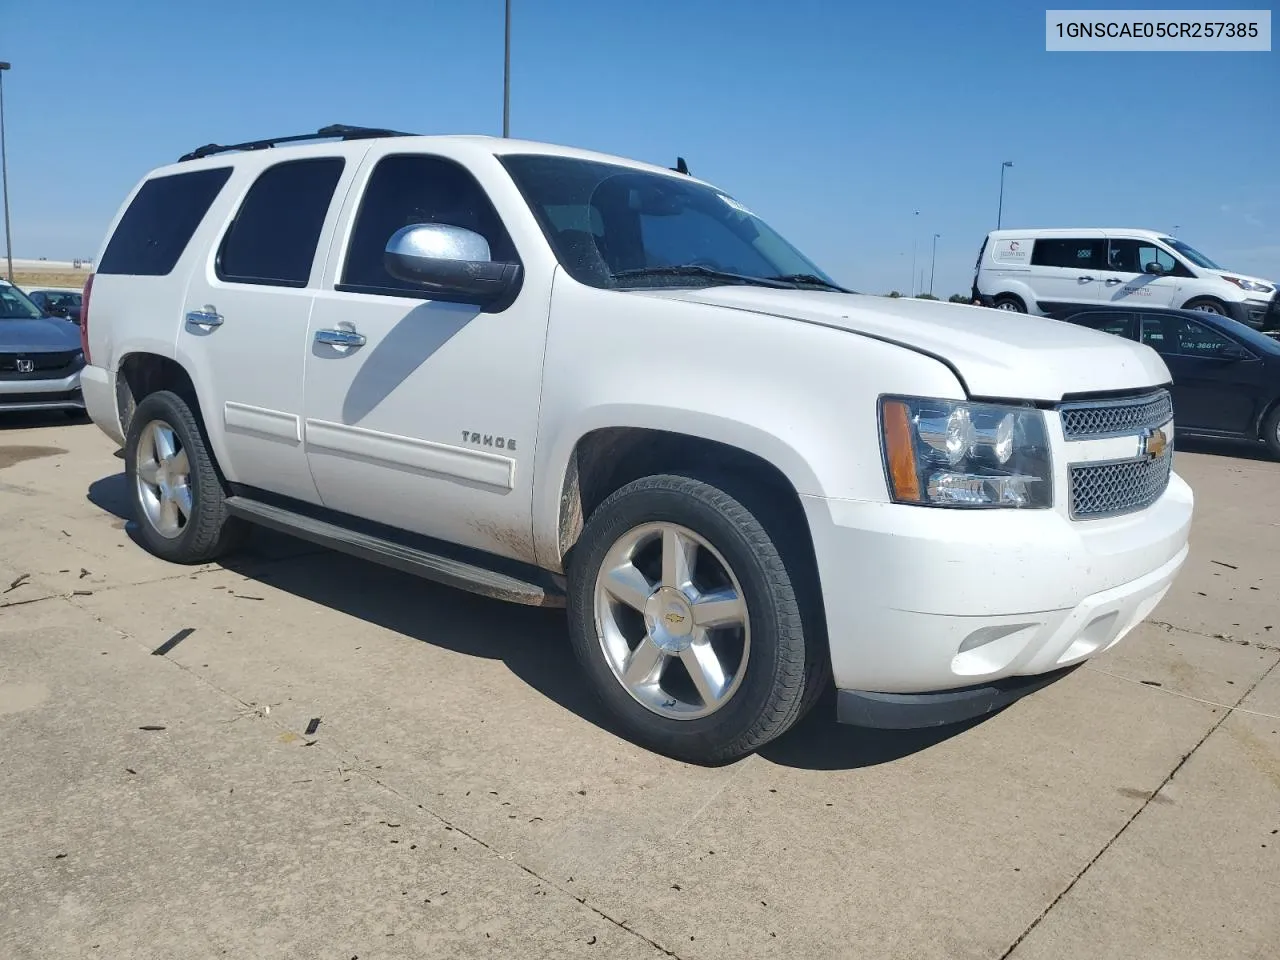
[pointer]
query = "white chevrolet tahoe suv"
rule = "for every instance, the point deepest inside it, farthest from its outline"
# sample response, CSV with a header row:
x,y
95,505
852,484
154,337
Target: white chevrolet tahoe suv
x,y
561,378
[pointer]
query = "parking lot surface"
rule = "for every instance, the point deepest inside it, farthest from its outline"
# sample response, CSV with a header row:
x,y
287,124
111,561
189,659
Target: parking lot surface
x,y
167,791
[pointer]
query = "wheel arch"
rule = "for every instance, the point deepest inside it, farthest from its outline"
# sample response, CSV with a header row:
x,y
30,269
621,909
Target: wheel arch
x,y
605,458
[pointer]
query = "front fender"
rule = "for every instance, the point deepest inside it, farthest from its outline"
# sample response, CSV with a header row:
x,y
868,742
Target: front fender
x,y
800,396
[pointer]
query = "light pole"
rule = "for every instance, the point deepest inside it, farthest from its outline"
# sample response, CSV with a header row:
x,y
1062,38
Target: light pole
x,y
506,77
914,221
4,173
1000,209
934,264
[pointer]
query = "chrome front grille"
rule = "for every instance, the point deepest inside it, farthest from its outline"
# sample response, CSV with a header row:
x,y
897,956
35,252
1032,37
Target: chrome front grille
x,y
1118,486
1095,419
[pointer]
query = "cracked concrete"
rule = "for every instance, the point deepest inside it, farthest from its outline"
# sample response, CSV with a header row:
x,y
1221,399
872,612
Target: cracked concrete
x,y
462,797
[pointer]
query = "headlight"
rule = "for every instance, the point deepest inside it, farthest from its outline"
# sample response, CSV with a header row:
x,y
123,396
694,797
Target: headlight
x,y
1251,285
947,453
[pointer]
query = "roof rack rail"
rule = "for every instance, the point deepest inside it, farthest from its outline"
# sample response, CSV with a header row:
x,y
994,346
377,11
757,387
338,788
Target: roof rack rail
x,y
335,131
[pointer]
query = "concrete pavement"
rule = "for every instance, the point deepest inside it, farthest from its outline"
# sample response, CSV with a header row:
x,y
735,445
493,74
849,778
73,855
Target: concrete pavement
x,y
463,797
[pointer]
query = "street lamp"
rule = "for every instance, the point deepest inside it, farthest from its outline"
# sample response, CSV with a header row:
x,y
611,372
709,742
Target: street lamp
x,y
1000,209
506,77
934,264
4,173
913,251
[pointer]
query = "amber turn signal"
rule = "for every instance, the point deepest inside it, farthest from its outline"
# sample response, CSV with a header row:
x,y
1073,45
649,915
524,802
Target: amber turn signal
x,y
900,452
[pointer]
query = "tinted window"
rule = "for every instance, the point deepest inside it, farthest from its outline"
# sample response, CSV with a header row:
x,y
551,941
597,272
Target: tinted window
x,y
1076,254
158,224
1195,339
1153,334
274,235
1119,324
1182,337
1132,256
405,190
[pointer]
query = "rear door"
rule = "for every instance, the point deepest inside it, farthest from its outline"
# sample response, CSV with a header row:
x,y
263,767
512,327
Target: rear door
x,y
244,335
1067,270
1125,278
1211,391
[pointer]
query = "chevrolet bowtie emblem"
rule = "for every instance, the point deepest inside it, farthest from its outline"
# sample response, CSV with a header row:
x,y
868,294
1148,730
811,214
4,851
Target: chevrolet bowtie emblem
x,y
674,619
1152,443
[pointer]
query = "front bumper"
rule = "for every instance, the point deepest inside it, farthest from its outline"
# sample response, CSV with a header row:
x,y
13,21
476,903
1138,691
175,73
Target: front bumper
x,y
931,601
62,393
1259,314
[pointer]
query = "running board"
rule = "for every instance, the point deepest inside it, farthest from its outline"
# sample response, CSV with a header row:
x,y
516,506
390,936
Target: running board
x,y
421,563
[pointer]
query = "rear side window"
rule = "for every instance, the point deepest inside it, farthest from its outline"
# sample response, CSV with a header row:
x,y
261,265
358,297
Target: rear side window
x,y
1075,254
1117,323
412,189
273,238
160,221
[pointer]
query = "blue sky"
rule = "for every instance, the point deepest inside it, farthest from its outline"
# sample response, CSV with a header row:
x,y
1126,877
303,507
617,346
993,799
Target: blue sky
x,y
832,120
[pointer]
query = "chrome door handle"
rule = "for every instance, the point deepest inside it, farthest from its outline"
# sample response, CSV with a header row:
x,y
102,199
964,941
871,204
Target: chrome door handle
x,y
1112,280
340,338
207,318
1085,279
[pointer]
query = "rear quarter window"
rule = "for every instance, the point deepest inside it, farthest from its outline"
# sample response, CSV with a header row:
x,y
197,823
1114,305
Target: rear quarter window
x,y
160,221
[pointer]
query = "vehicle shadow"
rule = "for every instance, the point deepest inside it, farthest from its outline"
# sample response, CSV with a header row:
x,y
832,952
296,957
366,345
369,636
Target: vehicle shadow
x,y
533,643
1215,447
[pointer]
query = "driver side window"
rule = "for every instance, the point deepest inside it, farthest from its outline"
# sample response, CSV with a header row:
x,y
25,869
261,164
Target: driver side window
x,y
1132,256
407,189
1191,339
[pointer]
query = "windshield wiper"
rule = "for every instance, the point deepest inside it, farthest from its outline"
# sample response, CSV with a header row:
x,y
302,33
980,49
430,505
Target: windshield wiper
x,y
697,271
812,280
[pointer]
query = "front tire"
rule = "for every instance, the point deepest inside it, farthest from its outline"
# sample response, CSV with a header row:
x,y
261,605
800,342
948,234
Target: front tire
x,y
1009,303
1271,431
685,619
1207,305
178,496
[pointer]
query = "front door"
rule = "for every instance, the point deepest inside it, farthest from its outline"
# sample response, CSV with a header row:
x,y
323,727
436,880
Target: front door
x,y
1211,391
245,324
1126,279
420,413
1066,271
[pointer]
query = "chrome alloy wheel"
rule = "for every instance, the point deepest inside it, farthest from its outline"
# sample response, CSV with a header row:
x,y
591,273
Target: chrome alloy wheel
x,y
672,621
164,479
1008,305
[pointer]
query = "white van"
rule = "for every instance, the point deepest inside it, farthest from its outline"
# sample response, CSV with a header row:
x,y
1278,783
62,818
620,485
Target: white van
x,y
1038,271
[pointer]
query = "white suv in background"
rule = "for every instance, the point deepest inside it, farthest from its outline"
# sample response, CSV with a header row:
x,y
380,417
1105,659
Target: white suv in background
x,y
1039,271
561,378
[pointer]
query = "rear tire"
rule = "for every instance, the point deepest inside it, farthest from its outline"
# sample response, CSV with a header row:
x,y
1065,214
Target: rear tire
x,y
1271,431
1207,305
178,495
1009,303
635,634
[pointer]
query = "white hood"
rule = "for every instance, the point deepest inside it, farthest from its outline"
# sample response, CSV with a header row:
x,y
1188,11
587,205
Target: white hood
x,y
997,354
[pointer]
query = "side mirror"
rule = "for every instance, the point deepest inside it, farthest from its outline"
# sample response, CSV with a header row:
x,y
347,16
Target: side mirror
x,y
1154,267
1233,351
451,261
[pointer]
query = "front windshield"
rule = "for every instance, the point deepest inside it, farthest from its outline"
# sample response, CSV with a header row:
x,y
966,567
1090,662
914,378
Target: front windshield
x,y
1191,253
613,226
16,305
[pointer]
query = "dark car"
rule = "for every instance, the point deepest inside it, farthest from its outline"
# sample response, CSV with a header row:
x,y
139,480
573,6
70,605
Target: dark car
x,y
40,357
57,303
1226,375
